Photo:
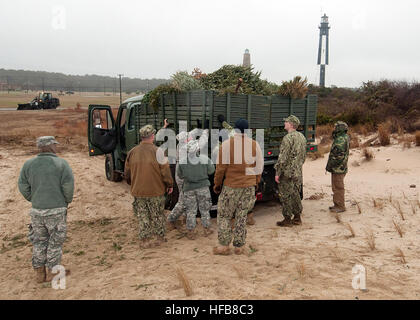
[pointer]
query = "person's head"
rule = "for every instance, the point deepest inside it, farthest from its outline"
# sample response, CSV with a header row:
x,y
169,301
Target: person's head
x,y
147,133
291,123
340,126
241,125
46,144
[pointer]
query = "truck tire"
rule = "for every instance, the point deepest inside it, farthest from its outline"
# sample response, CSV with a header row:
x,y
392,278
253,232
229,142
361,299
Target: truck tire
x,y
110,173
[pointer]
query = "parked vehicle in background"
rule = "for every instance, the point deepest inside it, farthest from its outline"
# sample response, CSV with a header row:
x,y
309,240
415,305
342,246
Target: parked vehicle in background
x,y
44,100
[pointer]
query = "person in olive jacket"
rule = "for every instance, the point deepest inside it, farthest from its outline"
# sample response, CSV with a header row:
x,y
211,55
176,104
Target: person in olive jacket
x,y
337,165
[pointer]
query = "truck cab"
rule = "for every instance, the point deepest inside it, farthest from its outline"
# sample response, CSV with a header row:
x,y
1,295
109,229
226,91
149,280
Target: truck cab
x,y
113,137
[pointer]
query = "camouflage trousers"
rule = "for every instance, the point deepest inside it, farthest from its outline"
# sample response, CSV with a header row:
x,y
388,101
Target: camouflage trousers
x,y
179,208
289,196
150,214
47,232
234,203
201,199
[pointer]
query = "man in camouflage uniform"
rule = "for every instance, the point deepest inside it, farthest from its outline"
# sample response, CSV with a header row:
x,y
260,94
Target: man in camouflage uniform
x,y
289,172
184,139
195,171
47,182
149,181
239,179
337,164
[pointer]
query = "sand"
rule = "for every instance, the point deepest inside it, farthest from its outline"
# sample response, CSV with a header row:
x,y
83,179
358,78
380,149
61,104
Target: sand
x,y
312,261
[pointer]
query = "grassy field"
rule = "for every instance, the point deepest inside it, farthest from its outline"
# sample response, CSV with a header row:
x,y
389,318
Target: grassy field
x,y
11,100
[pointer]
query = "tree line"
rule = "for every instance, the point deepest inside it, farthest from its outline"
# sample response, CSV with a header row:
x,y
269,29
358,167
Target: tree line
x,y
24,80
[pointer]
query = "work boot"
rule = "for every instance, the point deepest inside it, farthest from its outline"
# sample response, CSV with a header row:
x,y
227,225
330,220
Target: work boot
x,y
296,220
50,275
250,219
287,222
191,234
40,274
159,240
338,210
222,250
239,250
170,226
208,231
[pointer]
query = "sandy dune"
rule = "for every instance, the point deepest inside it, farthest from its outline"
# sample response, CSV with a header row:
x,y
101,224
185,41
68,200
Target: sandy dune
x,y
313,261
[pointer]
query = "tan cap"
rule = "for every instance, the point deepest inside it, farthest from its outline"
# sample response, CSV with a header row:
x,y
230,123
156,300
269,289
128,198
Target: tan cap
x,y
292,119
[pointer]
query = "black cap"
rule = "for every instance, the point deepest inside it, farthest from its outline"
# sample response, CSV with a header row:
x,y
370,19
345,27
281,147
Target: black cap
x,y
241,124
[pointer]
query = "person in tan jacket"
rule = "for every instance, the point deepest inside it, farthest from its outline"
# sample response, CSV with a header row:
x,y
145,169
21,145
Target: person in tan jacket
x,y
149,181
239,167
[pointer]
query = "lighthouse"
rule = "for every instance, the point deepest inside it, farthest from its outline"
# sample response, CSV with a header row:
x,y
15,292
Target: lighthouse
x,y
247,59
323,48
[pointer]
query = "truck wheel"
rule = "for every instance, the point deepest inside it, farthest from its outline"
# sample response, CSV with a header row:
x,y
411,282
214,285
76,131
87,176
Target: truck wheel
x,y
110,173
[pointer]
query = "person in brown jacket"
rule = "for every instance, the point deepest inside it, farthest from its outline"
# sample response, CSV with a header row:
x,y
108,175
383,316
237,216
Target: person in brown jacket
x,y
149,181
239,167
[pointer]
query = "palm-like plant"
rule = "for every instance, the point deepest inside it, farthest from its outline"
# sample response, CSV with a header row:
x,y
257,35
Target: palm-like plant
x,y
296,88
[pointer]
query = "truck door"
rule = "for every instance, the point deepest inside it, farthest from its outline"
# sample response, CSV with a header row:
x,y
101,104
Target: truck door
x,y
131,137
102,137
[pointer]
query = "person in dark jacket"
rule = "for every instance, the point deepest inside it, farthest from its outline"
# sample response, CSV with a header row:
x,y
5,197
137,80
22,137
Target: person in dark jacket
x,y
337,164
47,182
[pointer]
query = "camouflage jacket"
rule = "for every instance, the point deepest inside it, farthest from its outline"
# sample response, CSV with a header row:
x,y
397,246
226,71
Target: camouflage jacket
x,y
339,155
292,156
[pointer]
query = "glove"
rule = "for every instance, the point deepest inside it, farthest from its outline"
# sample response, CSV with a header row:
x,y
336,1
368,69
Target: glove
x,y
221,118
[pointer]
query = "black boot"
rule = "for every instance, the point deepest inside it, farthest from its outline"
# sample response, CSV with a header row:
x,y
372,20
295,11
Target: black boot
x,y
287,222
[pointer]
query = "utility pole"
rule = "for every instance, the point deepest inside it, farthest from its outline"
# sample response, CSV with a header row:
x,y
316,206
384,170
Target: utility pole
x,y
43,85
8,85
120,75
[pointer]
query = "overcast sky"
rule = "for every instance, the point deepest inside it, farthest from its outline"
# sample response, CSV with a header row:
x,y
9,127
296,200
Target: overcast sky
x,y
369,40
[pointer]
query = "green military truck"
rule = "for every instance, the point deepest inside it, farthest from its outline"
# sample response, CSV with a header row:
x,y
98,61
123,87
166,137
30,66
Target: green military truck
x,y
116,137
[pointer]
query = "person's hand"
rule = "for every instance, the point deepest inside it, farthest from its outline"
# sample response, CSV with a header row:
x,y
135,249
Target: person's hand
x,y
169,190
277,178
165,123
217,189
